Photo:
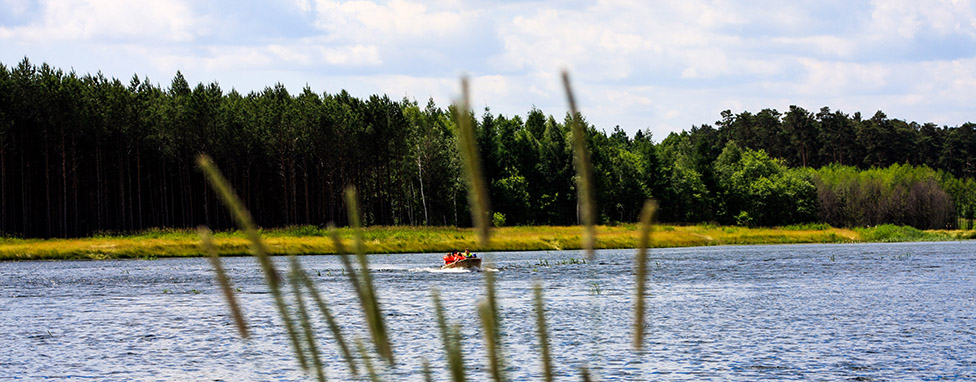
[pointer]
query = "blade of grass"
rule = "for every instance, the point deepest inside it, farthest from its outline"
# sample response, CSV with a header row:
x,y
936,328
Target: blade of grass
x,y
370,302
330,320
477,189
350,271
223,281
491,344
455,333
450,339
488,312
540,323
584,173
646,227
243,218
364,354
296,275
425,368
585,374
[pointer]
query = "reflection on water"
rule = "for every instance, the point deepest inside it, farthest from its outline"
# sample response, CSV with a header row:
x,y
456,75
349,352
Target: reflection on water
x,y
821,312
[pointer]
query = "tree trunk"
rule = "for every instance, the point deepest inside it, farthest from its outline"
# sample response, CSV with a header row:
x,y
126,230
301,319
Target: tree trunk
x,y
120,225
139,187
64,188
74,187
25,194
47,188
3,185
423,200
98,187
308,212
284,187
167,202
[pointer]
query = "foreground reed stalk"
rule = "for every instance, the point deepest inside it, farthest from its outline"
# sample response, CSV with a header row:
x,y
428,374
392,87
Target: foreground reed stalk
x,y
370,370
477,188
425,368
491,323
224,281
244,220
540,322
584,174
295,277
646,228
451,339
330,320
368,299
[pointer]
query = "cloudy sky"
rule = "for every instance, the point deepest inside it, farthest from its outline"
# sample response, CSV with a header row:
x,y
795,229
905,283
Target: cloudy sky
x,y
662,65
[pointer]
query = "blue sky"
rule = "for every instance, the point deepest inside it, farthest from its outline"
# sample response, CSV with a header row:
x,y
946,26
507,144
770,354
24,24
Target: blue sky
x,y
658,65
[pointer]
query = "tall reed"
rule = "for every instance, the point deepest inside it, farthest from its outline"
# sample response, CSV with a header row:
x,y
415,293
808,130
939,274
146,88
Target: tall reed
x,y
584,173
295,276
540,324
243,219
364,283
206,239
477,188
491,323
370,369
451,339
646,227
331,322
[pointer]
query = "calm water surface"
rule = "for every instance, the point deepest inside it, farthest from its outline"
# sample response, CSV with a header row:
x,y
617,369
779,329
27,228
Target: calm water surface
x,y
792,312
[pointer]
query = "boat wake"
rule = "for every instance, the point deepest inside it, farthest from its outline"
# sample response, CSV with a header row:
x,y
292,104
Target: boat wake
x,y
453,270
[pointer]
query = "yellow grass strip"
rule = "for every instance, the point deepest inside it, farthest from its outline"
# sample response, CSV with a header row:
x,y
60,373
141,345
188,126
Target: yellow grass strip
x,y
422,239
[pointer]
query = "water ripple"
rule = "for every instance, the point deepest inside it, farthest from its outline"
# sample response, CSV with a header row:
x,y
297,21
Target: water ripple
x,y
797,312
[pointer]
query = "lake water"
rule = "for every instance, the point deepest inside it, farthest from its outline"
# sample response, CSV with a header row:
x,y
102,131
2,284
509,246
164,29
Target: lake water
x,y
785,312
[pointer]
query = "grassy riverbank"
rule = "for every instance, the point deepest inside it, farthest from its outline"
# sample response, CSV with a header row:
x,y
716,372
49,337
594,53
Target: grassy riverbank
x,y
312,240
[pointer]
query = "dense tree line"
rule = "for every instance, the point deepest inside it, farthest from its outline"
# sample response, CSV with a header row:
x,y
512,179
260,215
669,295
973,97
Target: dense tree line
x,y
803,138
942,161
87,154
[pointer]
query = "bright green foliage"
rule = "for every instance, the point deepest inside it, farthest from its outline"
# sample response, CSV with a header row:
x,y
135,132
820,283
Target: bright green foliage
x,y
512,192
498,219
895,233
687,197
758,190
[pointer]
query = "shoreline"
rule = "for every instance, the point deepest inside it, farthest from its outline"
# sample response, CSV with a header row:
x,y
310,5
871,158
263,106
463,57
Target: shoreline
x,y
309,240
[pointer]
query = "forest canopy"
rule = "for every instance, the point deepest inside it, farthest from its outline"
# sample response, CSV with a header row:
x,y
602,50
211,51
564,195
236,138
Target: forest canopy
x,y
85,154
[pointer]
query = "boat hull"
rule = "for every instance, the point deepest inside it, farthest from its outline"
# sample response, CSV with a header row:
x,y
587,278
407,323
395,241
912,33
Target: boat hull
x,y
471,262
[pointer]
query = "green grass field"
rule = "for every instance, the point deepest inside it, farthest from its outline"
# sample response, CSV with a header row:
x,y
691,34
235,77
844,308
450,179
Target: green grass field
x,y
313,240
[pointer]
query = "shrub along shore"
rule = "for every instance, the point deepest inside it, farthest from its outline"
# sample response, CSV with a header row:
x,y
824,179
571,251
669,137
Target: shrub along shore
x,y
309,240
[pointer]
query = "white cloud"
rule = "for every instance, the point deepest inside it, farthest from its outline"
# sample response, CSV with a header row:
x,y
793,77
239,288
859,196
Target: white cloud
x,y
830,77
304,5
363,20
109,20
822,45
906,18
315,54
355,55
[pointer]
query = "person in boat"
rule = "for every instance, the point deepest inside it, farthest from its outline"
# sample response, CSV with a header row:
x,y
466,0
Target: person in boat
x,y
449,258
467,254
453,257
